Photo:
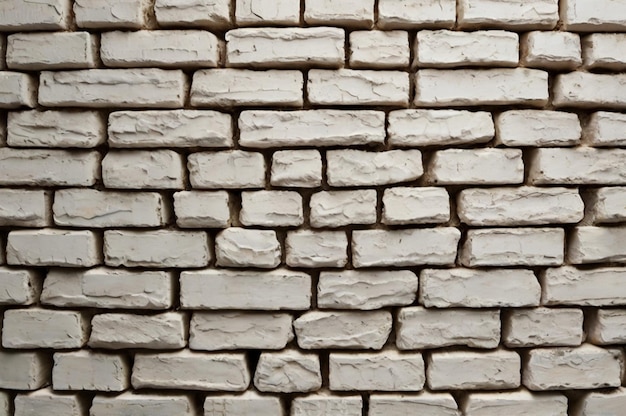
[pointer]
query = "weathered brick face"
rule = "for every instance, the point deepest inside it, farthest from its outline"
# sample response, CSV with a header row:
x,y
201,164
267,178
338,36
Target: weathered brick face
x,y
312,207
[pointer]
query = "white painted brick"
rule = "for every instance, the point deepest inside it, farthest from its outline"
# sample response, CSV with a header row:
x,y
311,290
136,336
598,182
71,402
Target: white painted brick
x,y
606,205
411,14
24,208
542,327
605,51
191,371
49,247
518,403
115,331
141,405
595,403
386,371
45,401
17,15
86,370
84,129
582,89
239,330
420,328
580,165
241,247
605,129
327,405
265,129
197,209
17,90
524,205
143,169
271,208
240,87
41,328
126,14
537,128
160,48
439,127
586,16
294,47
19,287
208,14
468,288
366,290
351,13
513,247
160,248
597,245
148,87
307,248
551,50
447,49
424,404
274,290
421,205
571,286
24,370
472,87
465,370
360,330
248,403
339,208
585,367
379,49
176,128
230,170
64,50
607,326
288,371
412,247
510,14
267,12
476,167
108,289
296,168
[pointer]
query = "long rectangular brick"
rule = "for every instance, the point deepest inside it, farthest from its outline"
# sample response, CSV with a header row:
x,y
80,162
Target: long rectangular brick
x,y
518,403
605,51
577,166
584,90
208,14
41,328
412,14
46,401
112,14
439,404
24,208
597,245
164,331
476,166
354,13
351,167
511,14
19,15
595,287
542,327
597,16
226,170
537,128
267,13
143,169
52,247
62,50
142,404
91,371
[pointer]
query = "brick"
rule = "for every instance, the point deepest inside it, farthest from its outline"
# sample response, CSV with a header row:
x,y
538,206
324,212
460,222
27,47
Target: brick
x,y
476,167
513,247
288,371
191,371
19,287
241,247
515,14
596,403
606,326
542,327
327,405
551,50
274,290
472,87
18,15
379,49
161,248
605,51
518,403
29,370
83,129
597,245
468,288
599,16
227,170
583,90
606,205
160,48
249,402
45,401
365,290
141,405
296,168
439,127
465,370
240,330
425,403
86,370
50,247
17,90
422,205
24,208
5,404
106,288
360,330
114,14
143,169
41,328
524,205
585,367
263,129
448,49
309,47
420,328
148,88
231,87
537,128
271,208
307,248
65,50
570,286
267,12
339,208
605,129
580,165
388,371
411,247
352,13
409,14
198,209
176,128
208,14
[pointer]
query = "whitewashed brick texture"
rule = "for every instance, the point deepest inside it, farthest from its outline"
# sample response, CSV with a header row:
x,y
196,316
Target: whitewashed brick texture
x,y
551,50
117,331
605,129
64,50
24,370
41,15
288,372
118,14
193,13
246,403
92,371
296,168
141,403
46,401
